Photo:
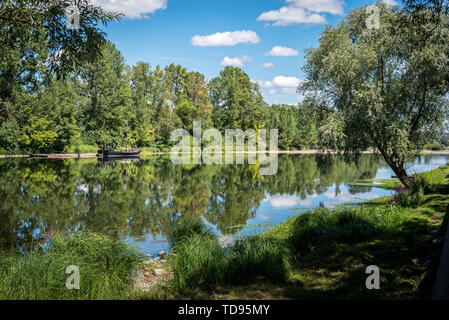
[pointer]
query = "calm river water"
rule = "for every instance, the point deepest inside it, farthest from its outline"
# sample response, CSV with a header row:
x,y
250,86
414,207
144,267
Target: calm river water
x,y
140,202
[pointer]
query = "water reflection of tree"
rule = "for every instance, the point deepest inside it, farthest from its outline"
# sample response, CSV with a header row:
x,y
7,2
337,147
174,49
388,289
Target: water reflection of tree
x,y
150,196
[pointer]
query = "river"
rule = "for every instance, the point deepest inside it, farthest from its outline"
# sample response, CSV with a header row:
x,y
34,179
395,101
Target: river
x,y
141,201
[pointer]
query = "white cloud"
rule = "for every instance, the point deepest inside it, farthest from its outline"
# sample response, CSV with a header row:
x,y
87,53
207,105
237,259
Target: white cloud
x,y
226,39
280,202
135,9
390,2
279,51
281,82
287,16
268,65
329,6
302,11
235,62
286,82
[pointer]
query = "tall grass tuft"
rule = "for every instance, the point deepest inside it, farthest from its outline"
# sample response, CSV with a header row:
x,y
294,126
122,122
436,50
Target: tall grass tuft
x,y
257,257
200,261
104,265
187,229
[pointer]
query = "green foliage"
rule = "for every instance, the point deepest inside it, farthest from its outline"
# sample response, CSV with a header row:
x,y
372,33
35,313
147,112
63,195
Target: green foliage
x,y
39,135
10,135
104,111
200,261
104,266
187,229
297,128
349,225
435,147
83,148
236,101
383,88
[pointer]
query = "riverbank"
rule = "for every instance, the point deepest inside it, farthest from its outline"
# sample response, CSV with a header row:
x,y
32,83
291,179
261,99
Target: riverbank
x,y
299,152
330,250
317,255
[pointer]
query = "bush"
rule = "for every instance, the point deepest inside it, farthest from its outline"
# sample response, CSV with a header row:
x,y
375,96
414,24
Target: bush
x,y
4,152
104,266
408,198
435,147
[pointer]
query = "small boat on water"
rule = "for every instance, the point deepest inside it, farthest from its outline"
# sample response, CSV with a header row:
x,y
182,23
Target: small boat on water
x,y
123,153
107,153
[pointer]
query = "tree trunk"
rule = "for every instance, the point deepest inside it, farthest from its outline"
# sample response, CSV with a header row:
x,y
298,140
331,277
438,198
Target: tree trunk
x,y
398,168
401,173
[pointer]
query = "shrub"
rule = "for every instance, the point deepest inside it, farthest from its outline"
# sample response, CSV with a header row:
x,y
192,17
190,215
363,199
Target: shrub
x,y
435,147
84,148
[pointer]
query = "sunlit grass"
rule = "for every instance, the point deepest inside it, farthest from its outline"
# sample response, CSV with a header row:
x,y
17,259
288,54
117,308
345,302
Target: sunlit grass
x,y
104,266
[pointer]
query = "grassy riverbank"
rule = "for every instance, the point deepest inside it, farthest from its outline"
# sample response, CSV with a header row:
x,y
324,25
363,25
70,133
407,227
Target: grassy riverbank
x,y
325,253
104,267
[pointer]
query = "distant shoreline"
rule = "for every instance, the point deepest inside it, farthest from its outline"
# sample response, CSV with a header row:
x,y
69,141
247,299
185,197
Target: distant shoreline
x,y
299,152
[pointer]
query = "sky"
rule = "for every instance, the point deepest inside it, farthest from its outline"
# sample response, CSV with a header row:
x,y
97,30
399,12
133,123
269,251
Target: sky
x,y
266,38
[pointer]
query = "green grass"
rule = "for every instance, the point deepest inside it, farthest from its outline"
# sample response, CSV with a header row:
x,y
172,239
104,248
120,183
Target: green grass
x,y
327,254
186,229
82,149
200,261
315,255
104,266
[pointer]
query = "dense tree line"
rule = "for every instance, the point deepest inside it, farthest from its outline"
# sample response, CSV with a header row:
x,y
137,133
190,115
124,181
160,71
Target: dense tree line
x,y
93,105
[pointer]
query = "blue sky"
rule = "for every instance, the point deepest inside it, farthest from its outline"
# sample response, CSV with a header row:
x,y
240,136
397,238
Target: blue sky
x,y
206,35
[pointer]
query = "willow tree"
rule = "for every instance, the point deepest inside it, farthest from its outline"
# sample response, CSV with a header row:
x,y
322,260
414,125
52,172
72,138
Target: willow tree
x,y
383,88
38,37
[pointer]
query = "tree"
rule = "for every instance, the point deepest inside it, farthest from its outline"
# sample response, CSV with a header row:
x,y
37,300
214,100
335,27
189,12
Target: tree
x,y
34,39
9,135
384,89
193,103
236,101
141,120
106,98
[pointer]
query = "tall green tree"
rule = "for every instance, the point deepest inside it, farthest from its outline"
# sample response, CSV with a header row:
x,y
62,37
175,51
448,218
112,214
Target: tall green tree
x,y
142,113
50,118
236,101
34,39
385,88
106,98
